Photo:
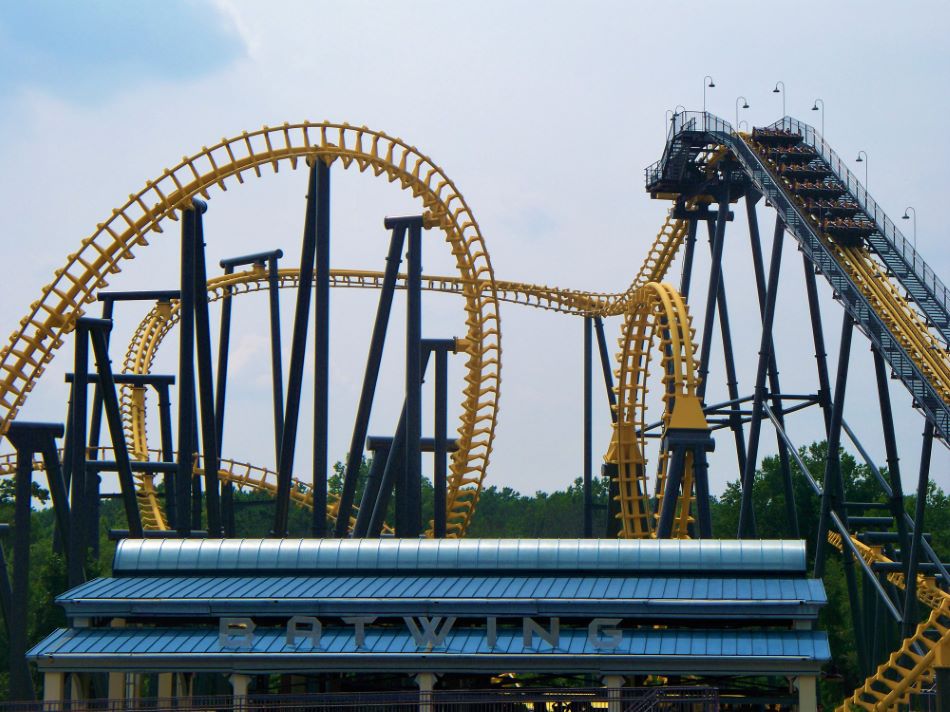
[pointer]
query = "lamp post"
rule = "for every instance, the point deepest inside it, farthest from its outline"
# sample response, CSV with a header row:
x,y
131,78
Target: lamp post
x,y
745,105
781,91
815,108
907,217
710,85
864,160
746,124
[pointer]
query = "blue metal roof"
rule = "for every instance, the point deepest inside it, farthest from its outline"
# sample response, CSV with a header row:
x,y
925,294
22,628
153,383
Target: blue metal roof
x,y
710,556
464,649
426,595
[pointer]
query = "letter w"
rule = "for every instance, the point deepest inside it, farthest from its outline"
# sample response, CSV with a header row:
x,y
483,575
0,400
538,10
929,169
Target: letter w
x,y
430,635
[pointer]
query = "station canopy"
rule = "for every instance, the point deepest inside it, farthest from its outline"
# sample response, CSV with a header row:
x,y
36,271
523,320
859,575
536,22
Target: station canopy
x,y
475,606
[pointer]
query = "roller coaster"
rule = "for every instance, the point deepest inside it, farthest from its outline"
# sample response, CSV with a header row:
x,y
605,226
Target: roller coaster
x,y
886,290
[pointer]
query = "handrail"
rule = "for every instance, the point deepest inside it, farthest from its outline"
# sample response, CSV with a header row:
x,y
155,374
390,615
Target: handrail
x,y
884,224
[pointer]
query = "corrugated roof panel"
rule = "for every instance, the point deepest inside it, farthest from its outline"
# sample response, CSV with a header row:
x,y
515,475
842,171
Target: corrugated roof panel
x,y
355,595
219,555
165,649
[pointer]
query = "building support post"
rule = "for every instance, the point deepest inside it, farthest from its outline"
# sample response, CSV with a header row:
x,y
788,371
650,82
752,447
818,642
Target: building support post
x,y
807,693
117,686
614,685
166,686
426,683
239,688
54,689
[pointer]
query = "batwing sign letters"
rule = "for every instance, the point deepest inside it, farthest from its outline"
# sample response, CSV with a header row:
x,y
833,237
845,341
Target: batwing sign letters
x,y
428,633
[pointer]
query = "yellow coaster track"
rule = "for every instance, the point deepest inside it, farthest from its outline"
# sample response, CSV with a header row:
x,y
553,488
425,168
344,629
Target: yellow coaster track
x,y
53,315
910,667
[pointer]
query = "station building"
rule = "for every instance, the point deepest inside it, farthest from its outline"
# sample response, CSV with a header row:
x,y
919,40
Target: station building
x,y
183,617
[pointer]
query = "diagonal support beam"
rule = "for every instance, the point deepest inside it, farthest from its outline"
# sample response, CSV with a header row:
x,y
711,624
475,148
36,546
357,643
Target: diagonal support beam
x,y
746,514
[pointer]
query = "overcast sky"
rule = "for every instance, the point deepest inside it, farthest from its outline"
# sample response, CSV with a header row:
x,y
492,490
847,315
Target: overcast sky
x,y
544,114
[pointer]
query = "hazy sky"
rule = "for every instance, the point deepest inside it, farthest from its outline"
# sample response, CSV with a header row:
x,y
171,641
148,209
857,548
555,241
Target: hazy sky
x,y
544,114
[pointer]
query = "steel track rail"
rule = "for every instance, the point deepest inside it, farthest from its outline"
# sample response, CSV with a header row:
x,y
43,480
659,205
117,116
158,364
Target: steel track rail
x,y
51,317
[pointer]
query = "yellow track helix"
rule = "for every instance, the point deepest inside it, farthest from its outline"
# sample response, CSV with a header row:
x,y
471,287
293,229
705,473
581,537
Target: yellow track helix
x,y
657,319
910,668
41,331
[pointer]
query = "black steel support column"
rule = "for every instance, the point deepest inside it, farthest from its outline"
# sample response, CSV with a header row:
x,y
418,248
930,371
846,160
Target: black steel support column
x,y
298,348
321,342
821,359
687,274
76,541
833,464
613,491
6,590
393,472
168,451
220,393
354,459
775,389
97,330
395,462
413,467
276,357
674,480
370,492
440,463
732,381
606,367
186,376
715,273
701,482
588,429
206,410
95,420
746,515
910,581
890,448
54,477
21,685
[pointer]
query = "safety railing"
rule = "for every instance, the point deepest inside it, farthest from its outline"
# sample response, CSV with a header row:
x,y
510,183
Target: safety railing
x,y
885,225
625,699
682,122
